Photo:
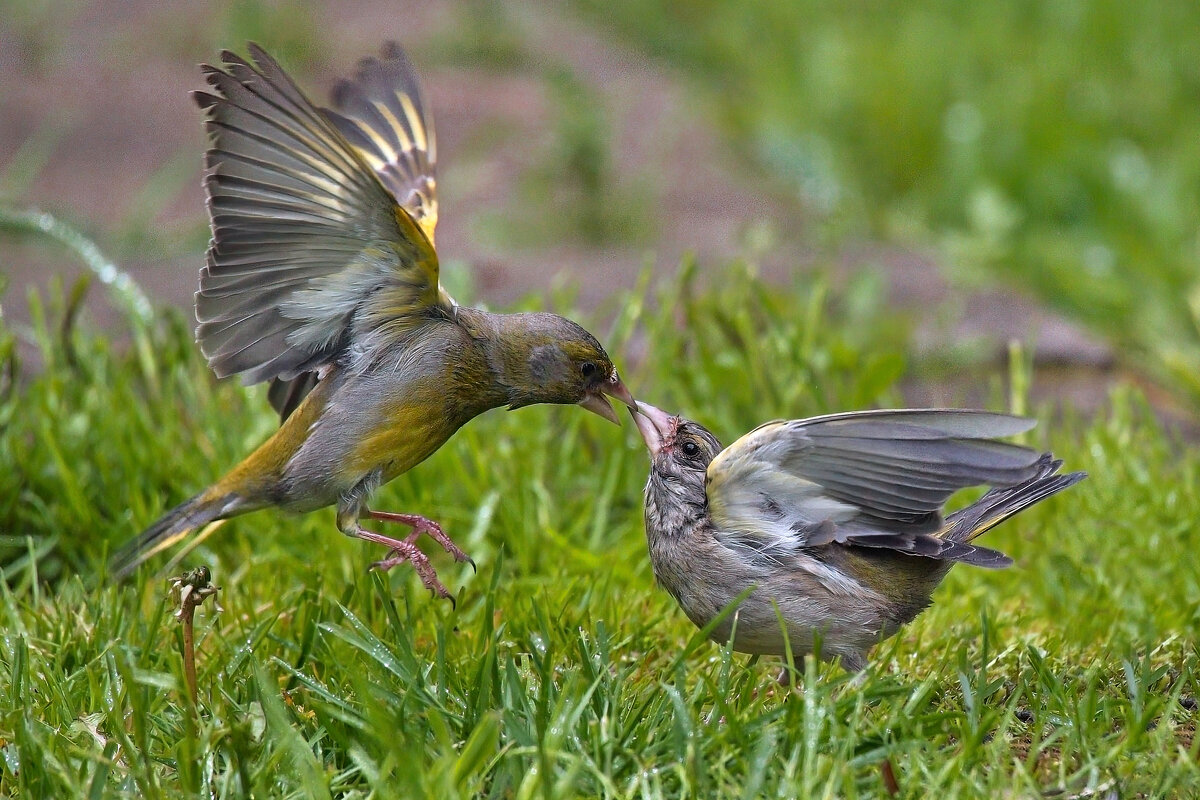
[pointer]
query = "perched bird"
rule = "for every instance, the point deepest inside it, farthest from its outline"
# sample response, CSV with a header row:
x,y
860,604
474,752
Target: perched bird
x,y
322,278
835,520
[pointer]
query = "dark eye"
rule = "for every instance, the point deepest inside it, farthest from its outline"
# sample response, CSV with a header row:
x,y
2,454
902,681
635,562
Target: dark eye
x,y
690,448
588,369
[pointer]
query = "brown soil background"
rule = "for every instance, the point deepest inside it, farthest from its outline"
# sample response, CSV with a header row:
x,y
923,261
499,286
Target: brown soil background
x,y
104,91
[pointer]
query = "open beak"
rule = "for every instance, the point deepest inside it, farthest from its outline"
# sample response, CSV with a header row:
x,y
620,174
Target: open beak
x,y
615,389
597,403
655,425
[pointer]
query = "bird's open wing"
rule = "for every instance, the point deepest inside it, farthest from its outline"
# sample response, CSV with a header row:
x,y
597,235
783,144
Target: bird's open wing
x,y
309,249
871,478
381,113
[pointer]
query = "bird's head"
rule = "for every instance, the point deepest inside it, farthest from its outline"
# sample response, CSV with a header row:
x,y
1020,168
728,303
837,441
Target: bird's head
x,y
680,452
555,360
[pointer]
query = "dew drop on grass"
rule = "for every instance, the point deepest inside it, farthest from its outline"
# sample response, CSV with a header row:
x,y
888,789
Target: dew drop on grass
x,y
12,759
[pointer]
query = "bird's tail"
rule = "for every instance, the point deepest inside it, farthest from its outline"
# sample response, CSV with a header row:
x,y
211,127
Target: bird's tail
x,y
171,527
1001,503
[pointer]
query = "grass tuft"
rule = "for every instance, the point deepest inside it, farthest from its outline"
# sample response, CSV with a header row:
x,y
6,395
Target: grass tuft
x,y
563,671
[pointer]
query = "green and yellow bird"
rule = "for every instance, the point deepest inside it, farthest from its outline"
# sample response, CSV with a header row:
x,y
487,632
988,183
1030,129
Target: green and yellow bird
x,y
322,278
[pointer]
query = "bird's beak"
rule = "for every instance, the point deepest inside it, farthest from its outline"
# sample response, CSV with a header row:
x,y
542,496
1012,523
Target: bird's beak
x,y
654,424
598,404
617,390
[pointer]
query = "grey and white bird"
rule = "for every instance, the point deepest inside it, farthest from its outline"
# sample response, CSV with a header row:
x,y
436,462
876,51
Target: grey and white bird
x,y
836,521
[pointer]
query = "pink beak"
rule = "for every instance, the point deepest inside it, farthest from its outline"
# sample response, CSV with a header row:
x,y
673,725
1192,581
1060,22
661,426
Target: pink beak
x,y
655,425
598,404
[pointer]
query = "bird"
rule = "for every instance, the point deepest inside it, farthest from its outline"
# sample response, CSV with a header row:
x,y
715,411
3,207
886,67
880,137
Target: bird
x,y
322,278
829,532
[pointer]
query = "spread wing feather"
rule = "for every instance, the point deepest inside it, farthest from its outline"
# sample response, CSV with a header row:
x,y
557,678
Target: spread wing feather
x,y
308,246
381,113
1002,503
872,478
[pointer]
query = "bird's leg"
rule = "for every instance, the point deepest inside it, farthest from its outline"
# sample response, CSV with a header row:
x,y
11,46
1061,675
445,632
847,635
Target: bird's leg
x,y
421,525
401,550
352,508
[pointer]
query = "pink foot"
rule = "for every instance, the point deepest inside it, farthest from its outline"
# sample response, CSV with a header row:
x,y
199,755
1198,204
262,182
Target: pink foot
x,y
401,550
427,526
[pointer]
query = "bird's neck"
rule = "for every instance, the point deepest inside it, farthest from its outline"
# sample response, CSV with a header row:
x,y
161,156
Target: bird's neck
x,y
675,507
507,342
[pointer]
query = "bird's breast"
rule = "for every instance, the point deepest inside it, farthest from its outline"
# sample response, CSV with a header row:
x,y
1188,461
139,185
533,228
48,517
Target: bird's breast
x,y
393,411
408,421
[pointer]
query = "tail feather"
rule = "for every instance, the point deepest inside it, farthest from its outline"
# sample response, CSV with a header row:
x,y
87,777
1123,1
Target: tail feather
x,y
1001,503
169,529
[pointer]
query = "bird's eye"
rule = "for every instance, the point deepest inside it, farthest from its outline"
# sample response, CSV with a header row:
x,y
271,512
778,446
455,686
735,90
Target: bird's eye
x,y
690,448
588,369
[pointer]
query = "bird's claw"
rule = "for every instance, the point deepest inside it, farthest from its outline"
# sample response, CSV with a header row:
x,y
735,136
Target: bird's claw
x,y
401,550
424,525
435,532
407,551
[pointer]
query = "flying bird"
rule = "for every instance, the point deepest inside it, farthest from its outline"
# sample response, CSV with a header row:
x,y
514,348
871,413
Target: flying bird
x,y
322,278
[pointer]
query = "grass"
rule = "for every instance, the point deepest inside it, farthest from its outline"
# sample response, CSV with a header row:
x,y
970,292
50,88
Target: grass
x,y
563,671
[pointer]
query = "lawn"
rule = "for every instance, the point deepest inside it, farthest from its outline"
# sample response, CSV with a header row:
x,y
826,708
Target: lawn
x,y
562,670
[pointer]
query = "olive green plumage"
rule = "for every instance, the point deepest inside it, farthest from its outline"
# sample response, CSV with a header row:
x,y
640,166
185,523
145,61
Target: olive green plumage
x,y
322,278
837,521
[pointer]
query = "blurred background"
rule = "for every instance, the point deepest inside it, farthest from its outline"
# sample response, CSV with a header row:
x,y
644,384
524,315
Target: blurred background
x,y
1000,170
